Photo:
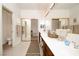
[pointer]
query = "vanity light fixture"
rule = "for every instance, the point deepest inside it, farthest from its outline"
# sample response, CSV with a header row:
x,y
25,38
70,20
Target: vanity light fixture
x,y
51,7
47,13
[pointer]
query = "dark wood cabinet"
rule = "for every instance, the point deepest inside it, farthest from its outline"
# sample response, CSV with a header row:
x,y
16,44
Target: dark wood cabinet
x,y
46,49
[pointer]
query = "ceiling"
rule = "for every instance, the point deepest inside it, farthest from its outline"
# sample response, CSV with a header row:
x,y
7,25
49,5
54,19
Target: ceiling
x,y
42,6
34,6
65,5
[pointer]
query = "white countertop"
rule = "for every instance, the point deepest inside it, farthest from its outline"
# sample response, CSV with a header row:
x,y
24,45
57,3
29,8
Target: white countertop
x,y
58,48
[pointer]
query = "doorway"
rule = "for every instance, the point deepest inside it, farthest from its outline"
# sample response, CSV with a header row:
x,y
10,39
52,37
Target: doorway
x,y
34,28
7,29
34,49
25,29
55,24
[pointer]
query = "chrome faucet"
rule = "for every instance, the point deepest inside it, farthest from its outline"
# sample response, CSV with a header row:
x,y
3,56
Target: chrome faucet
x,y
75,45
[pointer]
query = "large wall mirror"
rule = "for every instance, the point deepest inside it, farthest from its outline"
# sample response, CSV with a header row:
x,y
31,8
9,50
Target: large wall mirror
x,y
64,23
60,23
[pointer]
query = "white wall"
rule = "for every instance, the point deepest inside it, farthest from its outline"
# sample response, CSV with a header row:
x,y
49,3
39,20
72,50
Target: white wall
x,y
28,29
1,29
36,14
15,10
59,13
74,13
32,14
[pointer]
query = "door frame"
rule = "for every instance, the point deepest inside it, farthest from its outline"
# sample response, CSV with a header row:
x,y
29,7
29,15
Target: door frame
x,y
11,23
9,11
37,28
25,30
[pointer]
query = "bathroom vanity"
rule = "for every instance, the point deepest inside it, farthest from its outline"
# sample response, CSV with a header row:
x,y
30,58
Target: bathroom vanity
x,y
45,48
54,47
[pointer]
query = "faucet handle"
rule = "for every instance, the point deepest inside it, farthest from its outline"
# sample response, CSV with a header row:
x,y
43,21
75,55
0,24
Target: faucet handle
x,y
75,46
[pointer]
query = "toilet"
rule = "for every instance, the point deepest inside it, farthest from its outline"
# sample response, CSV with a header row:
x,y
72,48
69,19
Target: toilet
x,y
9,41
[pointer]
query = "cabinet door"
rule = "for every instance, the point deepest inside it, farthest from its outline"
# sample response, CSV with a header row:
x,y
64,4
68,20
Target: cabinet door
x,y
46,50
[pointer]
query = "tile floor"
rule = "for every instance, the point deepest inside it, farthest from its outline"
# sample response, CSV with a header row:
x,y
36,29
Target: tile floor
x,y
22,48
19,50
